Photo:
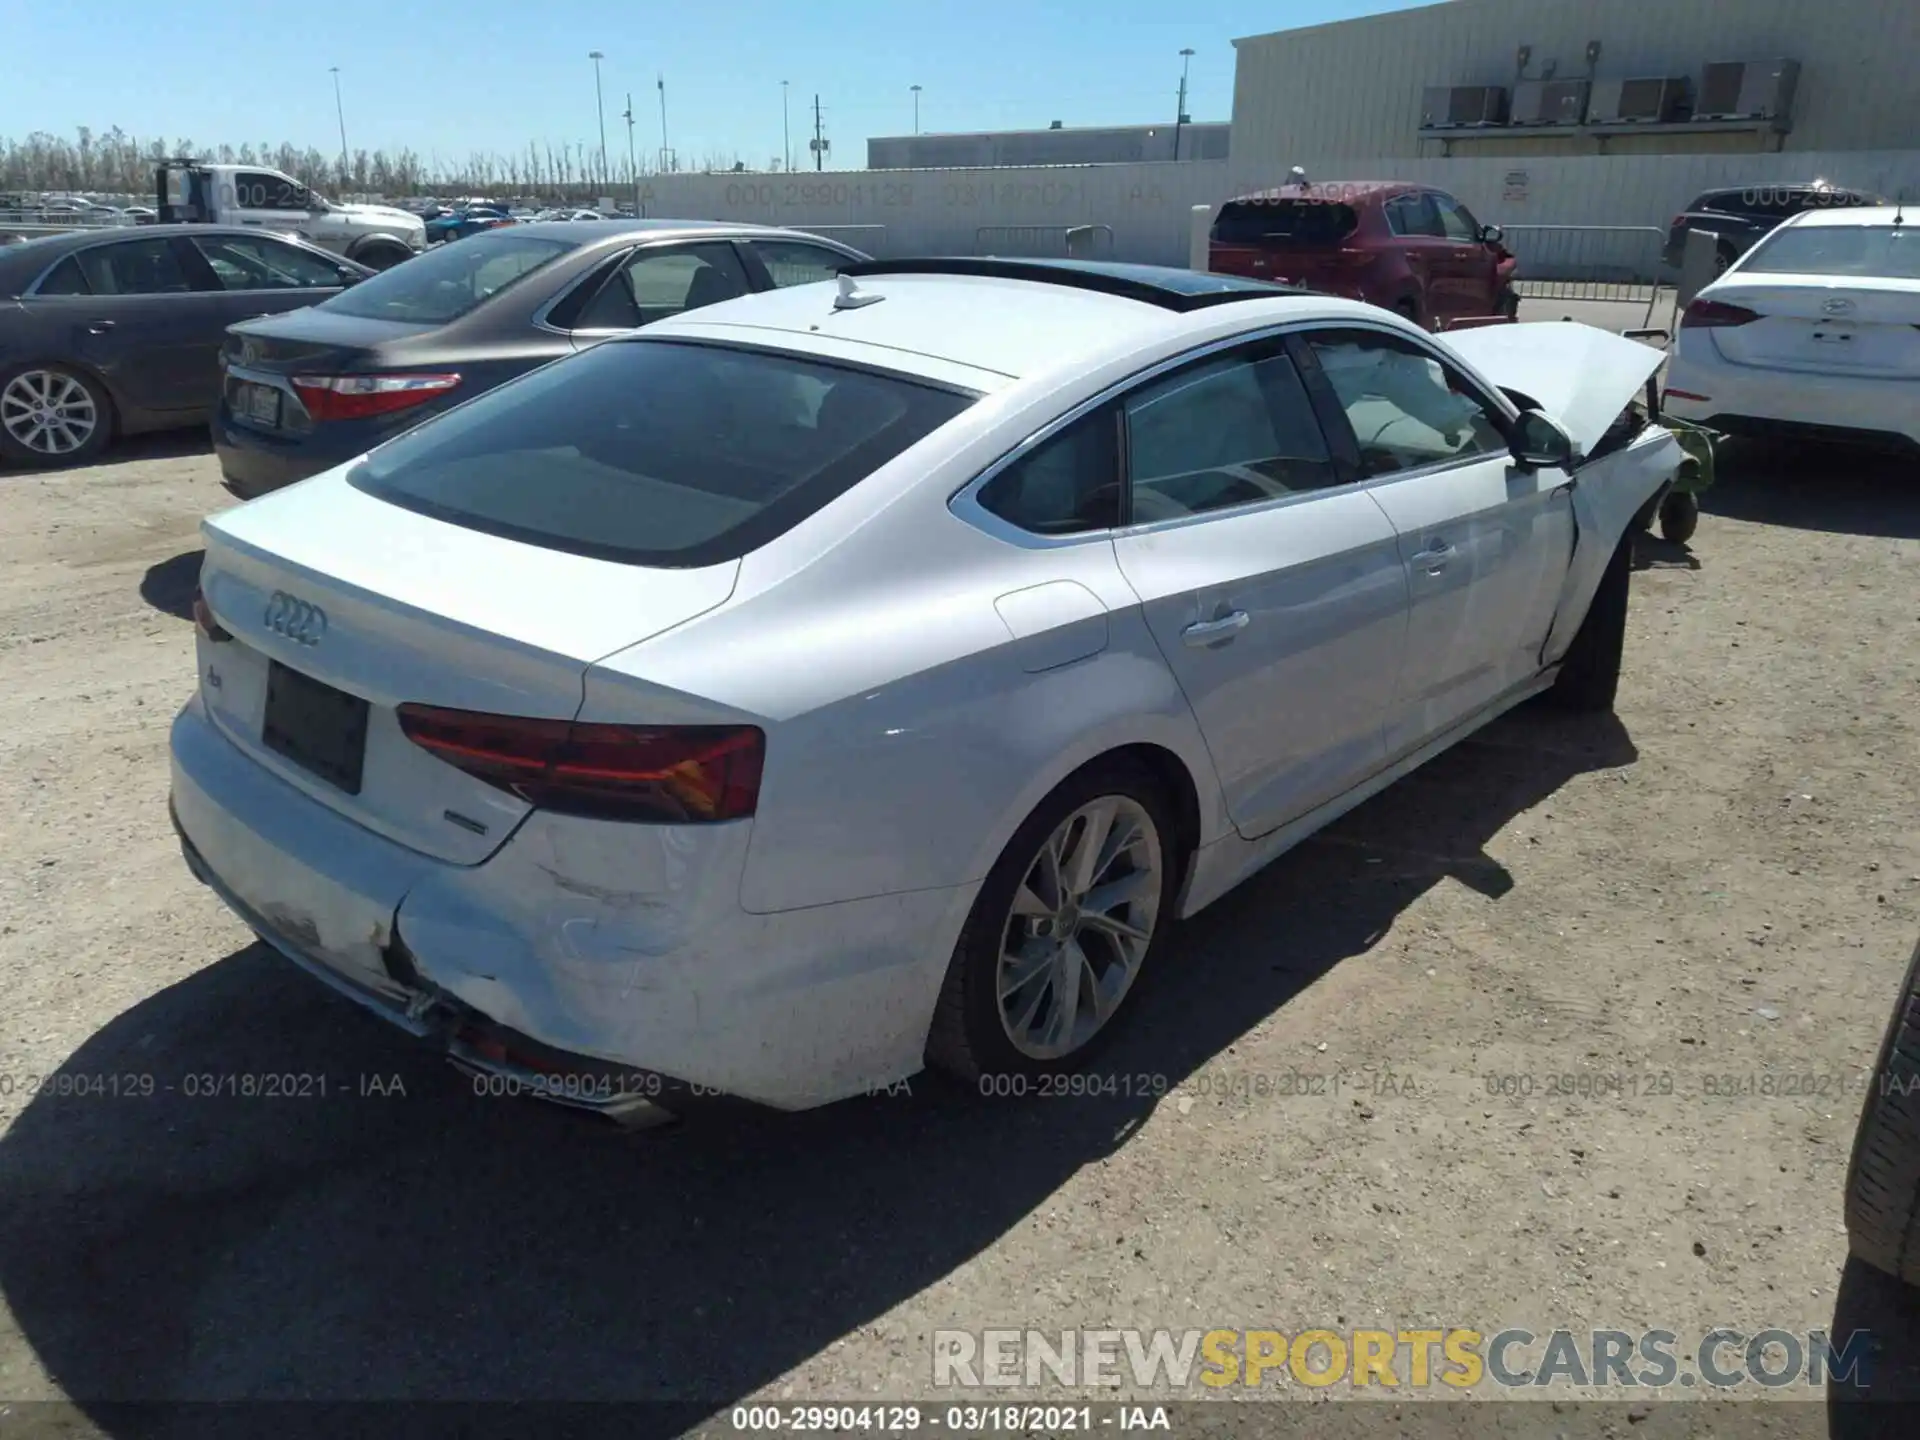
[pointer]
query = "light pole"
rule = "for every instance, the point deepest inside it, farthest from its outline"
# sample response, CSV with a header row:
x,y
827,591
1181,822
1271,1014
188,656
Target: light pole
x,y
1180,109
632,164
600,105
665,152
916,108
340,110
786,133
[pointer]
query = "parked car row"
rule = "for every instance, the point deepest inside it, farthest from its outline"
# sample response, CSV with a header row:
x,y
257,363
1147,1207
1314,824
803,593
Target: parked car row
x,y
103,333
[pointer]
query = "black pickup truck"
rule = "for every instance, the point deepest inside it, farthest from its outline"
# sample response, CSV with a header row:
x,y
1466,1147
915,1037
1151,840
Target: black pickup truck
x,y
1740,215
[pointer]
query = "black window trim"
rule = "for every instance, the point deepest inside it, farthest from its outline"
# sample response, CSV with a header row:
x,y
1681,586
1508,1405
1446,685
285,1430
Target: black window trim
x,y
964,502
762,528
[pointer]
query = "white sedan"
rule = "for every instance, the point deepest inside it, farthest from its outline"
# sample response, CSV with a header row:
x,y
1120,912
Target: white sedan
x,y
868,674
1813,333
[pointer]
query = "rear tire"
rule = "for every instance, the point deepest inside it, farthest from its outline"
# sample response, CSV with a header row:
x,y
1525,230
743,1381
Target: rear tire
x,y
1590,675
1408,308
1679,516
1883,1177
972,1038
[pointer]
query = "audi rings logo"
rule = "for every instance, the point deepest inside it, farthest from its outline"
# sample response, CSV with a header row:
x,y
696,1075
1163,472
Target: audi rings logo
x,y
299,621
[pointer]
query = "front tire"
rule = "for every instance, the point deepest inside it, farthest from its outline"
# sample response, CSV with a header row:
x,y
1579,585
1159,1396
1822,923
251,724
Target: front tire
x,y
382,256
1590,675
52,415
1067,920
1883,1177
1679,516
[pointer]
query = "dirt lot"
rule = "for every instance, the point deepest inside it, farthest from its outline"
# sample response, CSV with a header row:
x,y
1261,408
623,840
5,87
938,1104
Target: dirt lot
x,y
1723,883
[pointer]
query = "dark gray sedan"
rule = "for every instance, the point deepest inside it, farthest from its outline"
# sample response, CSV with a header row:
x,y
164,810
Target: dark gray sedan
x,y
112,331
306,392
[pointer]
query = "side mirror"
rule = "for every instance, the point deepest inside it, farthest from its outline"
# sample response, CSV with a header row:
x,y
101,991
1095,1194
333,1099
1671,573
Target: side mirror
x,y
1491,234
1539,443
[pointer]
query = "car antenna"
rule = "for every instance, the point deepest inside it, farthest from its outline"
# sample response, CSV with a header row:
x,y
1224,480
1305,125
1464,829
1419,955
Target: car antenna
x,y
852,297
1900,209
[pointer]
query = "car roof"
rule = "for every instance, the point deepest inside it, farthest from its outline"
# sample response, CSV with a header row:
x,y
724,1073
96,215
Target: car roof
x,y
1848,215
586,231
999,320
20,264
1337,191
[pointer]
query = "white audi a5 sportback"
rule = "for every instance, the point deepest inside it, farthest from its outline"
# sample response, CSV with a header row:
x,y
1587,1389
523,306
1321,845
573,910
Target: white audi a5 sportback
x,y
862,676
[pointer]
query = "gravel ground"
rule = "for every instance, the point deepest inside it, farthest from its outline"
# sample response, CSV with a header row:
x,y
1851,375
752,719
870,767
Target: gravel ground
x,y
1724,882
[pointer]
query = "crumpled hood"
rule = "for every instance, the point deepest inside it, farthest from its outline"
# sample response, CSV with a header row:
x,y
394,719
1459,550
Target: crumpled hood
x,y
1582,376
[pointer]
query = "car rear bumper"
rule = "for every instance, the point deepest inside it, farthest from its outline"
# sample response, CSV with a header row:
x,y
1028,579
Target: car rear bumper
x,y
1747,400
619,949
252,462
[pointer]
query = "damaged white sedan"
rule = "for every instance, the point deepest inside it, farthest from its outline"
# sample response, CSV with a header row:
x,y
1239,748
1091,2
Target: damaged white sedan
x,y
867,675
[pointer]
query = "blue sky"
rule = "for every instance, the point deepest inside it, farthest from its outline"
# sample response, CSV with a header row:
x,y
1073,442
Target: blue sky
x,y
454,76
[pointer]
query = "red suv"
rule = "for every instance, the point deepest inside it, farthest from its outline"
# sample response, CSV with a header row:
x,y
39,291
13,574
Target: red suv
x,y
1398,245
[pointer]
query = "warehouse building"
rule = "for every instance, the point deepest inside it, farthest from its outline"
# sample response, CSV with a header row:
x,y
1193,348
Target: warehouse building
x,y
1056,145
1490,78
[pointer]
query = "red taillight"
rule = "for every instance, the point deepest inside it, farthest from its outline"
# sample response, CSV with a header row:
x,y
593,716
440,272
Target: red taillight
x,y
203,620
1715,315
668,774
355,397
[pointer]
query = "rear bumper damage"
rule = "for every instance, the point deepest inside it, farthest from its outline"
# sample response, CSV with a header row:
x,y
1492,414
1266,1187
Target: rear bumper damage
x,y
616,974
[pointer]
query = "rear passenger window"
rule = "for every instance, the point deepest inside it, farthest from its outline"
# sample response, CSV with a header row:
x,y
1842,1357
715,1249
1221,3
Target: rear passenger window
x,y
134,267
1068,485
1237,430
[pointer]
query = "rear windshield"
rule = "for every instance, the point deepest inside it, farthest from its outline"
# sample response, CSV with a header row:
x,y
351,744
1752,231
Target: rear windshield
x,y
1283,222
1866,251
657,452
447,282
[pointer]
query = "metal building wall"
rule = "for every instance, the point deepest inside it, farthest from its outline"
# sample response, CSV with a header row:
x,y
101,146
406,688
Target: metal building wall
x,y
1148,207
1353,88
1080,145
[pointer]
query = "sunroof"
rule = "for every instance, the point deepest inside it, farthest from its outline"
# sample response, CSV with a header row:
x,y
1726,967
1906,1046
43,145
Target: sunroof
x,y
1162,285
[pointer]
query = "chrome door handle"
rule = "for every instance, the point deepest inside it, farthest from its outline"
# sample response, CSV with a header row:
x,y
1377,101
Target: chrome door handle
x,y
99,327
1435,556
1206,632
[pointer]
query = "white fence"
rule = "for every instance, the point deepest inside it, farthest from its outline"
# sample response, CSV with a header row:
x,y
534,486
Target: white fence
x,y
1147,206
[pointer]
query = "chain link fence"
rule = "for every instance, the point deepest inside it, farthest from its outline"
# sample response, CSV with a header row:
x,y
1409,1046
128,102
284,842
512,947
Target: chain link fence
x,y
1619,263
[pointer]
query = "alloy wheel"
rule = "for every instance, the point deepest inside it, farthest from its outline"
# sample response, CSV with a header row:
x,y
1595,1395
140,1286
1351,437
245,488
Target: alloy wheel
x,y
48,413
1079,927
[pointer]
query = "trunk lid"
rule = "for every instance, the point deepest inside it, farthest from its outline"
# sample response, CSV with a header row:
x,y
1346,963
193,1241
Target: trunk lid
x,y
1811,324
1582,376
387,606
314,340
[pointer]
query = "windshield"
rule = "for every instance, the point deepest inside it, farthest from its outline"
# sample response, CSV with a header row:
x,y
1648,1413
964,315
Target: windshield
x,y
446,283
657,452
1866,251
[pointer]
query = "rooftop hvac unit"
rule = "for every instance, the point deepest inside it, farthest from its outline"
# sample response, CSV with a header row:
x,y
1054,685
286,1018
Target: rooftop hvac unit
x,y
1747,90
1645,101
1550,102
1459,106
